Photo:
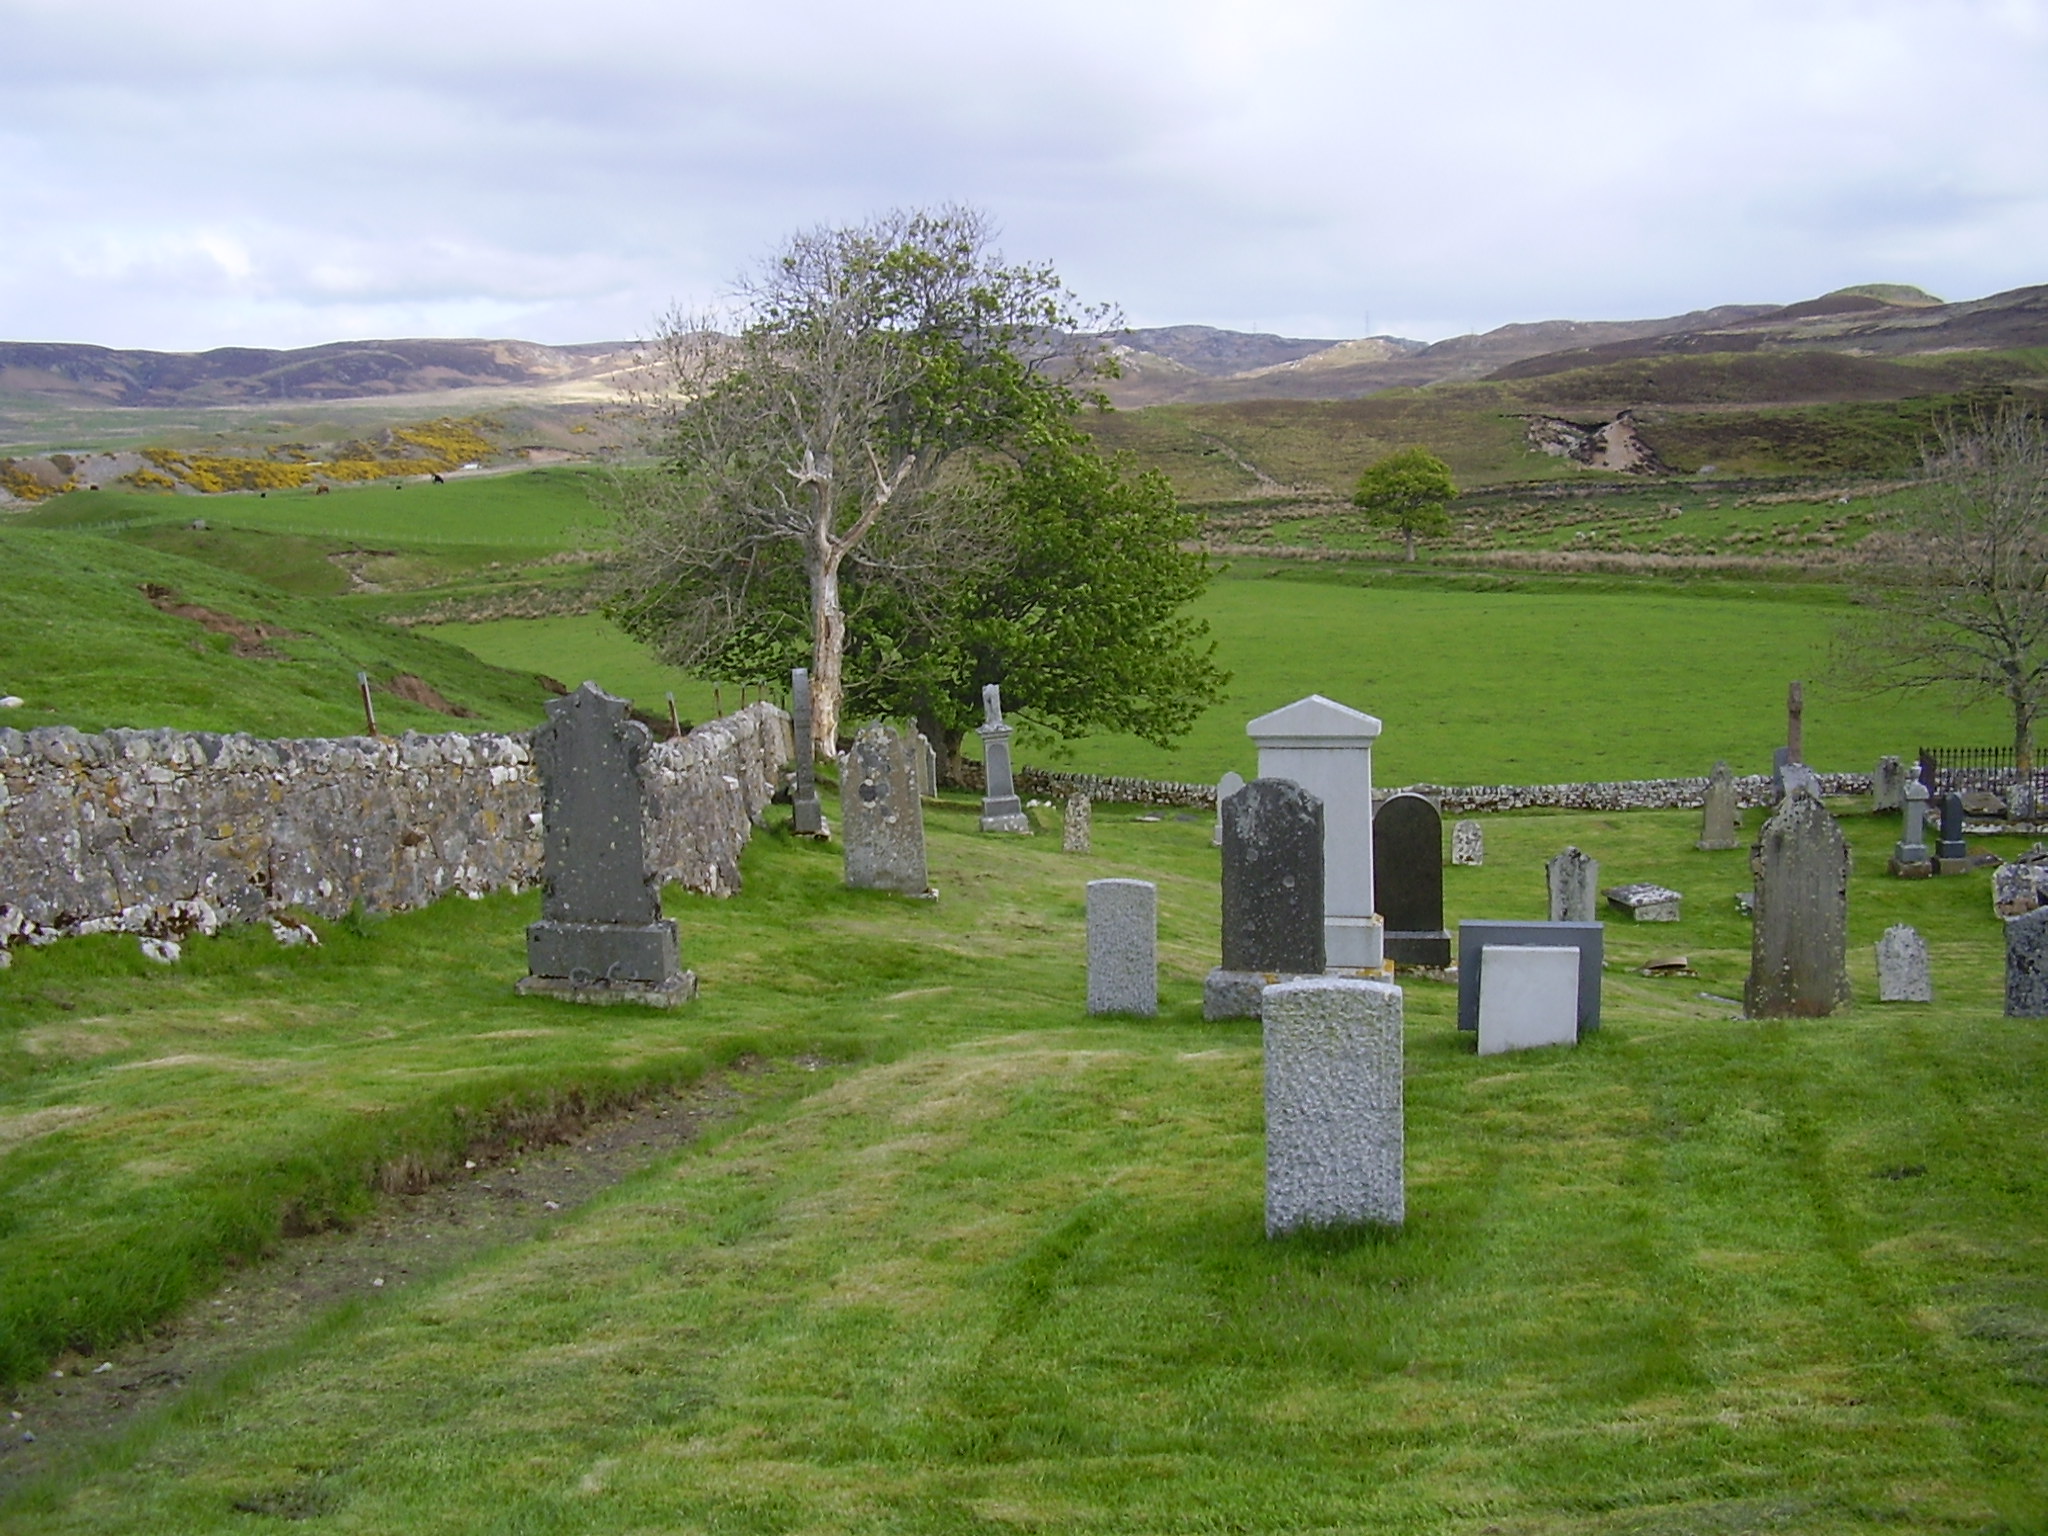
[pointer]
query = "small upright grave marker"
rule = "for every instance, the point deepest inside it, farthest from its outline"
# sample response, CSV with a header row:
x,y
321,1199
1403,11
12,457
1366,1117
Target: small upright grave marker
x,y
1077,824
1902,975
1468,844
1476,937
1719,814
1123,947
1888,786
882,816
1911,859
1799,947
1001,811
1226,786
1408,868
1574,880
927,768
1334,1133
1272,895
601,937
1952,854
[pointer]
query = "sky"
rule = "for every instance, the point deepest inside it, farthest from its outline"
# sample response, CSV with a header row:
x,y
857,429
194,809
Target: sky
x,y
206,173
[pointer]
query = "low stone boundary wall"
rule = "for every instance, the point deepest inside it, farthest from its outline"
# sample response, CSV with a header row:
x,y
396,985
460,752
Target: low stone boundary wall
x,y
170,832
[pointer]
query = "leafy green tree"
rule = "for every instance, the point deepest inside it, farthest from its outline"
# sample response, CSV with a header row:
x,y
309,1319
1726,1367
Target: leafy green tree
x,y
1408,490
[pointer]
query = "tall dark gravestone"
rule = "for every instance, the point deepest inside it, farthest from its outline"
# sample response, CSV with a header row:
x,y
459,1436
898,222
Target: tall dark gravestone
x,y
807,817
1272,895
601,937
1408,875
1798,963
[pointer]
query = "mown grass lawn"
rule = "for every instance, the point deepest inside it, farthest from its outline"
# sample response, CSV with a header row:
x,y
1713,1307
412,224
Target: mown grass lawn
x,y
1004,1268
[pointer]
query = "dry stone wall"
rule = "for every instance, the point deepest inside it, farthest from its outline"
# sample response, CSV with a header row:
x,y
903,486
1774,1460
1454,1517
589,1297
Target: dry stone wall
x,y
170,832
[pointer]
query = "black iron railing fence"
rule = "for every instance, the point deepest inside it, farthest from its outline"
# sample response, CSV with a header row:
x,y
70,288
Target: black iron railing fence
x,y
1959,769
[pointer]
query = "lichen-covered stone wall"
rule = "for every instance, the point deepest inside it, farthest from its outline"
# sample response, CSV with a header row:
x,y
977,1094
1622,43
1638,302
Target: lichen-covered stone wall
x,y
170,832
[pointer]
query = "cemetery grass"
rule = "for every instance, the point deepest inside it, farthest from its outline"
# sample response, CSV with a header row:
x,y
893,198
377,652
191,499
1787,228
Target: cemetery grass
x,y
1004,1268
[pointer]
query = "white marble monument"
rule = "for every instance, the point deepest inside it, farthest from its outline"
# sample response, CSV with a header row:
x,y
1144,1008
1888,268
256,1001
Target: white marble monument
x,y
1326,748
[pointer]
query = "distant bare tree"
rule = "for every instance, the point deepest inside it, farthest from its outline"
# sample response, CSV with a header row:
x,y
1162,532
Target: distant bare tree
x,y
839,425
1957,596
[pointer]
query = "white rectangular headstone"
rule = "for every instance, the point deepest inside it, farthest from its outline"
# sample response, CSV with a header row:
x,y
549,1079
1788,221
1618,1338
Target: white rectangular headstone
x,y
1326,748
1529,997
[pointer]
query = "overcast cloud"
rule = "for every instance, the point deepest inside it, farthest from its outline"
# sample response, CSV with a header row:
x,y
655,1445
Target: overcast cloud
x,y
226,172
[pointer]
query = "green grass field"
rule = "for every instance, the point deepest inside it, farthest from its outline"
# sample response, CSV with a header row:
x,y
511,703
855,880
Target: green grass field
x,y
1004,1268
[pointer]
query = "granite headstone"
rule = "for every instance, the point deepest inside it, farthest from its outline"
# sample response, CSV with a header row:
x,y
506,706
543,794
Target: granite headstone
x,y
1408,869
1574,880
1952,853
1799,945
2026,965
1902,974
1468,844
1273,922
1123,947
1719,813
1001,810
1911,858
1077,825
882,814
1334,1135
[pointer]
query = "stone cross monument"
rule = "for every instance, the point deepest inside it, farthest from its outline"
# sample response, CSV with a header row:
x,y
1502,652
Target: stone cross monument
x,y
601,937
1001,811
1326,748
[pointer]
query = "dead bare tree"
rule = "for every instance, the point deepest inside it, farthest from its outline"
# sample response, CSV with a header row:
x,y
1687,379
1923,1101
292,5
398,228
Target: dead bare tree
x,y
1956,596
835,424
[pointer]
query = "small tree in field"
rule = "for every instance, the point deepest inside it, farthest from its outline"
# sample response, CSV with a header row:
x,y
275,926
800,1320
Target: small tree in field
x,y
1408,490
1956,597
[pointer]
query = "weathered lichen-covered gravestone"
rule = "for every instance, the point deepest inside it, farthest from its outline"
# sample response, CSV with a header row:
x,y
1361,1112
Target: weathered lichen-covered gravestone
x,y
1888,786
1574,880
1001,810
1645,902
1902,974
601,937
1799,946
1226,786
881,814
1123,947
1408,871
1719,814
1468,843
1334,1133
1273,919
807,817
1077,825
2026,965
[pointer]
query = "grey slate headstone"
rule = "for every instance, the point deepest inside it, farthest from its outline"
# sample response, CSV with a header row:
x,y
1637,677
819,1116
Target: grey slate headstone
x,y
601,936
807,817
1719,813
1798,964
1408,879
1911,856
1272,895
1123,947
1335,1140
1001,810
1468,843
1888,786
1589,939
1902,974
1574,880
2026,965
1226,786
881,814
1077,825
1952,854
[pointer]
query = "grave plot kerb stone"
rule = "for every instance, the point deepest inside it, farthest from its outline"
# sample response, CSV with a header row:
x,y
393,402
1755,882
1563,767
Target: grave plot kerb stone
x,y
1335,1137
1326,748
1123,947
1799,944
601,936
882,814
1001,810
1589,939
1408,869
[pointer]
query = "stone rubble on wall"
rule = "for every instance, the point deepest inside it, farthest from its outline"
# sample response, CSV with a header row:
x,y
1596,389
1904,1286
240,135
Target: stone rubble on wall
x,y
165,833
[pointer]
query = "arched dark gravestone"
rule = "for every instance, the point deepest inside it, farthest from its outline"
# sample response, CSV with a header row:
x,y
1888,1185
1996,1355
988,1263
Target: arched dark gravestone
x,y
1272,895
601,937
1408,878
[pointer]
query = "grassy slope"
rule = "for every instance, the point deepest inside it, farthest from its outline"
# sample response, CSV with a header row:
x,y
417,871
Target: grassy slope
x,y
1006,1268
84,647
1476,687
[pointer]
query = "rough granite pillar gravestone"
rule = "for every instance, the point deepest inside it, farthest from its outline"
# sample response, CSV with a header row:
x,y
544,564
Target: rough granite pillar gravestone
x,y
2026,965
807,817
601,937
1468,844
1475,936
1798,965
1911,859
1272,895
881,815
1719,813
1888,786
1952,854
1326,748
1123,947
1334,1133
1574,879
1077,825
1001,811
1226,786
1408,873
1531,997
1902,974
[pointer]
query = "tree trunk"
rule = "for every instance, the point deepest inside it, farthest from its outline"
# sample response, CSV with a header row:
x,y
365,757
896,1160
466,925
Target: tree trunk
x,y
1410,532
2023,739
828,654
